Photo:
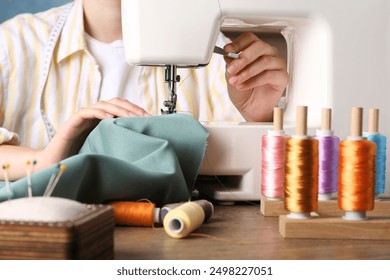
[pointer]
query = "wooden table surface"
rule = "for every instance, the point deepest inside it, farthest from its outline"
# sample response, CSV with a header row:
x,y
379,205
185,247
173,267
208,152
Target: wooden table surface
x,y
239,232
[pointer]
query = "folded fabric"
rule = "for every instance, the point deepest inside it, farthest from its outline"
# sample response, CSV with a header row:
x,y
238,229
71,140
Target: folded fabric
x,y
155,158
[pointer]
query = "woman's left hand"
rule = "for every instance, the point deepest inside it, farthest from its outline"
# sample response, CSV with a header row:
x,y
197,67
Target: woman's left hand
x,y
257,79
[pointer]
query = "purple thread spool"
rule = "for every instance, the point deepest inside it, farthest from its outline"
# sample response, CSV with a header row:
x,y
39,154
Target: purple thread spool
x,y
328,153
328,150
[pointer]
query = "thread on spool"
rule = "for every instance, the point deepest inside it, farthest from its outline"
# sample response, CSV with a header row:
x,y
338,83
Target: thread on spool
x,y
356,186
207,207
273,166
301,178
380,161
380,141
183,220
328,153
129,213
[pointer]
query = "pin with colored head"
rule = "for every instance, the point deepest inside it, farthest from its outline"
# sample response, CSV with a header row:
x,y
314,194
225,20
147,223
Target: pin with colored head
x,y
6,167
60,169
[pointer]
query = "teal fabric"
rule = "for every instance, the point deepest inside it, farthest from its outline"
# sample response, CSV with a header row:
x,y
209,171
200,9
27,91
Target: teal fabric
x,y
156,158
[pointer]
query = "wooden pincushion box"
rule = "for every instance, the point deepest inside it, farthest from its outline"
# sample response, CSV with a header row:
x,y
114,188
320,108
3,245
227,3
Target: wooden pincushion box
x,y
55,228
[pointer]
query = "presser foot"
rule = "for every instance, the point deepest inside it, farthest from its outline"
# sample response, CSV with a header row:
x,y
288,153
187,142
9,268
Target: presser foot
x,y
171,107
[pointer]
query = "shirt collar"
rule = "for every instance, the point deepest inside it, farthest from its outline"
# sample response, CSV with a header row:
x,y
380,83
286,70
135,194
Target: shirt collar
x,y
72,37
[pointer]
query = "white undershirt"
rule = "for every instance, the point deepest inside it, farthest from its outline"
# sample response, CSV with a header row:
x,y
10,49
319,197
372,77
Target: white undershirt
x,y
119,79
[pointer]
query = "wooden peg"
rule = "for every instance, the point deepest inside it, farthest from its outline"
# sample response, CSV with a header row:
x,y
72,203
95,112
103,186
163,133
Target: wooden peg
x,y
357,122
278,119
326,122
301,121
373,121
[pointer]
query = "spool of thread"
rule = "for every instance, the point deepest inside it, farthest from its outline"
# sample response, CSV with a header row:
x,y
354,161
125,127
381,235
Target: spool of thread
x,y
301,178
138,214
328,153
381,146
207,207
183,220
273,152
356,171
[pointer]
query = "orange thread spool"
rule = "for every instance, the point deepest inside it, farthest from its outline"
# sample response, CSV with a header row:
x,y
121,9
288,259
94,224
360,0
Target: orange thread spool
x,y
301,178
129,213
356,175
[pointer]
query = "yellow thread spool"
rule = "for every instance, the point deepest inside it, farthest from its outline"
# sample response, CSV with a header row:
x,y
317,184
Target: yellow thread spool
x,y
183,220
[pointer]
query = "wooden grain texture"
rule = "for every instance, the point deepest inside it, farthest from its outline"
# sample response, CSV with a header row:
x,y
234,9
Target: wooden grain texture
x,y
272,208
238,223
89,236
374,228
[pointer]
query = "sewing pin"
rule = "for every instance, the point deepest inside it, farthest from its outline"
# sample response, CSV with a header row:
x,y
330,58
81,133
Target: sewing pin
x,y
6,167
61,168
51,180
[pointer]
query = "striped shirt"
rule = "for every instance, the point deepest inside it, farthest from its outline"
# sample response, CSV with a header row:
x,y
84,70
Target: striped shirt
x,y
74,79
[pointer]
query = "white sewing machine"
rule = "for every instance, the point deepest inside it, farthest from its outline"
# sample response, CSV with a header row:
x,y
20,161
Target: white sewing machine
x,y
337,54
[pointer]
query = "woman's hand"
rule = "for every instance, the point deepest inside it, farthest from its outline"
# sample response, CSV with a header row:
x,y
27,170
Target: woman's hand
x,y
72,134
69,138
257,79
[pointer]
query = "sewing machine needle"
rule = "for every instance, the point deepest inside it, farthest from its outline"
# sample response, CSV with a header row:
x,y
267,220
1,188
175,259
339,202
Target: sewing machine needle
x,y
221,51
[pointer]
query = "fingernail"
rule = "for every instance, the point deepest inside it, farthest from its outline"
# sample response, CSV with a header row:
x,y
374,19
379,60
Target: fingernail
x,y
230,69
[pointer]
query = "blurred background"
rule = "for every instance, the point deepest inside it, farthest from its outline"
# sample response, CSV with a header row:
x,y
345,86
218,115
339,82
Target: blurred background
x,y
10,8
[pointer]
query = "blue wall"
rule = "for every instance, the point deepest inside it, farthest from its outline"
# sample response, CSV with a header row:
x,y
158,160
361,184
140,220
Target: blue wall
x,y
10,8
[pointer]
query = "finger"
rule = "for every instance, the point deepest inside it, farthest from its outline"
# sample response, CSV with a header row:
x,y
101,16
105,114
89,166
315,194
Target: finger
x,y
227,59
247,39
241,42
249,55
276,79
90,113
120,108
133,109
264,63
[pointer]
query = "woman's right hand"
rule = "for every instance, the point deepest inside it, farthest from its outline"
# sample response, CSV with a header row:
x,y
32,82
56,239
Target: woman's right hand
x,y
72,134
69,138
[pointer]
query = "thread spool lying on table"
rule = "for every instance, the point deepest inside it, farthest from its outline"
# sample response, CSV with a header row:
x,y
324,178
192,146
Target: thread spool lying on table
x,y
301,179
184,219
207,207
139,214
356,171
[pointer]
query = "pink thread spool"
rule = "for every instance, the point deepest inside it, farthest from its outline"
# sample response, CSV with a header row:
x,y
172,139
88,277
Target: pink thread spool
x,y
273,159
